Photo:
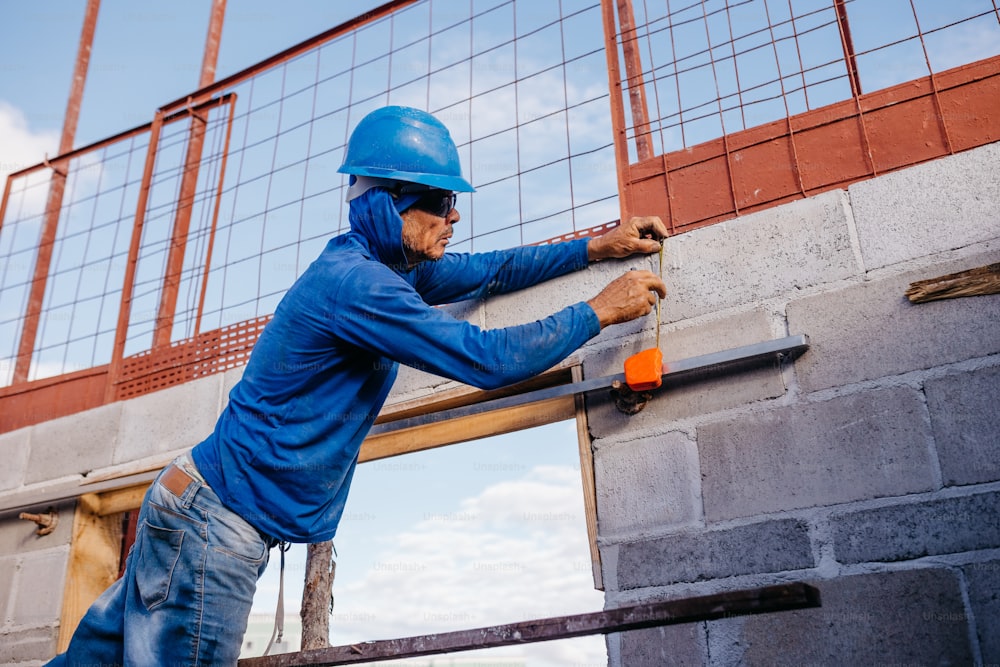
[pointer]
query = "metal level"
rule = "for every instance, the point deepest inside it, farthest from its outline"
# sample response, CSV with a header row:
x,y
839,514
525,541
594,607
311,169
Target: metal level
x,y
783,597
788,347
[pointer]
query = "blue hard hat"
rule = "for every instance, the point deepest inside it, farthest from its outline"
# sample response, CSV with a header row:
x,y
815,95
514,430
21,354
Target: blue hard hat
x,y
405,144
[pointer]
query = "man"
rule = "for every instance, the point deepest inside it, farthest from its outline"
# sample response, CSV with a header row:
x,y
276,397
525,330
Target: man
x,y
279,464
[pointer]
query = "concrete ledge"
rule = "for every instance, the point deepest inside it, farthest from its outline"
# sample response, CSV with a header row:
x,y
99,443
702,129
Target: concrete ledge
x,y
75,444
169,419
871,330
929,208
867,445
16,448
966,424
913,530
914,617
767,546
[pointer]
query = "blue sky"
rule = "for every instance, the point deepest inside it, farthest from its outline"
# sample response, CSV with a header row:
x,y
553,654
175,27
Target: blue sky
x,y
453,538
440,507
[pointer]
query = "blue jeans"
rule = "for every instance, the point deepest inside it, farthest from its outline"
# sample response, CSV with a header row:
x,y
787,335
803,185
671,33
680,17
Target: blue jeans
x,y
188,585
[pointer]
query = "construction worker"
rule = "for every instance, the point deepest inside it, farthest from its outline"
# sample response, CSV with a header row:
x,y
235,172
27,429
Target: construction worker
x,y
278,466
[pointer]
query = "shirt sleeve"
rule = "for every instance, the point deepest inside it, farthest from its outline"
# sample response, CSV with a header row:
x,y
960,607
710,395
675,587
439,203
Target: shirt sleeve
x,y
460,276
378,311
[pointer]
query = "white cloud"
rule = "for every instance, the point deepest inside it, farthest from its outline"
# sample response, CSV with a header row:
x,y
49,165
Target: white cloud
x,y
515,551
20,147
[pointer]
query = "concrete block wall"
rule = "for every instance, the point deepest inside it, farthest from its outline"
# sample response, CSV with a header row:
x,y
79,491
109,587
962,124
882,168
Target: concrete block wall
x,y
869,466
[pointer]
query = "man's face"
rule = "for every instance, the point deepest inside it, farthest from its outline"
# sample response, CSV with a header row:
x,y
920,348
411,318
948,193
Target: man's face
x,y
425,235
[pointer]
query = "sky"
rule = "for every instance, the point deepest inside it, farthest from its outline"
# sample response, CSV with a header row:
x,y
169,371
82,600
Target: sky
x,y
454,538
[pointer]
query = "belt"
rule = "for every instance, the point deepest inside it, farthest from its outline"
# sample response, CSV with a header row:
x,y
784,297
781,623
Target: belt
x,y
175,480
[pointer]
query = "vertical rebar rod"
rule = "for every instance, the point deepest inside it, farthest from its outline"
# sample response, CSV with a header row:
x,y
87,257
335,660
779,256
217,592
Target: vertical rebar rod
x,y
848,45
636,84
189,185
57,188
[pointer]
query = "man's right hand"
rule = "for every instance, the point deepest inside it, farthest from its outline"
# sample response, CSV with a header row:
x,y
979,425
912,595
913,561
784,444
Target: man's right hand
x,y
628,297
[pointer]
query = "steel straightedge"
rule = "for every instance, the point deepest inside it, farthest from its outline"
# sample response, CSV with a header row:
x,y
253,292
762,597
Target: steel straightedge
x,y
788,347
783,597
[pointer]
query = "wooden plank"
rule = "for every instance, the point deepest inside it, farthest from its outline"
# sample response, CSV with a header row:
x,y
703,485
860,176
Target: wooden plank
x,y
93,563
588,480
122,500
463,429
768,599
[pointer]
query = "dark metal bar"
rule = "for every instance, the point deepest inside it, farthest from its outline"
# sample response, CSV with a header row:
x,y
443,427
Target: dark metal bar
x,y
784,597
53,204
790,345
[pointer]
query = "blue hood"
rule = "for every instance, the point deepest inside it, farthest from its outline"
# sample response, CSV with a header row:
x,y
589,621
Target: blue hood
x,y
374,218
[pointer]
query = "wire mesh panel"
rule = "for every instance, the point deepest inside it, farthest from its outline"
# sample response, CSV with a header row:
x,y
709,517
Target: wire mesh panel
x,y
78,315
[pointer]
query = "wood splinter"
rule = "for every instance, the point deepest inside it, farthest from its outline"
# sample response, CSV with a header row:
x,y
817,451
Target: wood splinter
x,y
974,282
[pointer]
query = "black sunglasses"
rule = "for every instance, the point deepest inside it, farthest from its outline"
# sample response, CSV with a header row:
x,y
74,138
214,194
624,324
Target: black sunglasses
x,y
436,202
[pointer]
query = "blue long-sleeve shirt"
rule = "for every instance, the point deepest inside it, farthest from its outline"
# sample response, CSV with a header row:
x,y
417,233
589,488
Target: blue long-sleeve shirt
x,y
284,450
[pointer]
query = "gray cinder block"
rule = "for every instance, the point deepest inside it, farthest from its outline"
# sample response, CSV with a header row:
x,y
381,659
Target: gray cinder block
x,y
929,208
871,330
75,444
16,448
966,425
766,546
674,645
913,530
867,445
984,597
169,419
38,598
22,646
760,256
913,617
648,484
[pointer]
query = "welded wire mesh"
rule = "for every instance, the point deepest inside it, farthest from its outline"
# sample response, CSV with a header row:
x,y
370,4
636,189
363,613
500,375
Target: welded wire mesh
x,y
523,87
714,67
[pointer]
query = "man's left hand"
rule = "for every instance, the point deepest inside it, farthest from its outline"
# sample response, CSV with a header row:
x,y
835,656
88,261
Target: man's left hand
x,y
640,235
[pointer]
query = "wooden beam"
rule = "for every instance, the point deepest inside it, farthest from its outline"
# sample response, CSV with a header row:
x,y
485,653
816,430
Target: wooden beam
x,y
690,610
93,563
588,480
974,282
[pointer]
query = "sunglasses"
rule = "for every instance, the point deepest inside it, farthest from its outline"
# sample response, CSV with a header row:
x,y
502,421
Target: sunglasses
x,y
436,202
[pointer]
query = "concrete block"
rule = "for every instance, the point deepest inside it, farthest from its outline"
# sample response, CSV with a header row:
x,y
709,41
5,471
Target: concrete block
x,y
674,645
913,617
759,256
8,568
16,447
39,589
680,399
647,484
947,203
867,445
22,646
871,330
983,581
913,530
966,425
18,536
229,380
75,444
168,419
766,546
544,300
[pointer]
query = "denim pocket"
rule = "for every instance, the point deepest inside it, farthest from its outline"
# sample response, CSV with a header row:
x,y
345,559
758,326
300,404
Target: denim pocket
x,y
159,551
230,534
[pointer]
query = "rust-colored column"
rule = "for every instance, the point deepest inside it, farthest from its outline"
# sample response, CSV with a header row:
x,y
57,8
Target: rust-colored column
x,y
848,45
636,85
57,188
189,184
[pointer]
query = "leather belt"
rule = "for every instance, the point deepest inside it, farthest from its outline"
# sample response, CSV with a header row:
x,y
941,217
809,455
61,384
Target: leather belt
x,y
175,480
